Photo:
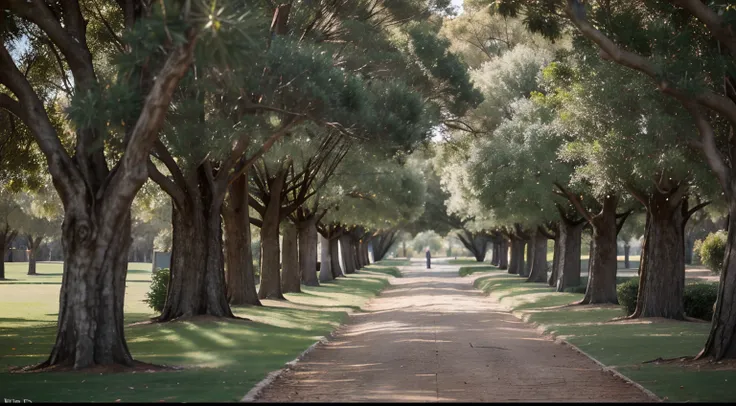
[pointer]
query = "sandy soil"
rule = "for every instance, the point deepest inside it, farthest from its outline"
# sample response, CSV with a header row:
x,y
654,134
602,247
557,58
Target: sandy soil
x,y
432,337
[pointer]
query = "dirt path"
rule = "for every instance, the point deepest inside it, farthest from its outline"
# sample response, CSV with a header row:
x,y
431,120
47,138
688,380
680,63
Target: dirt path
x,y
432,337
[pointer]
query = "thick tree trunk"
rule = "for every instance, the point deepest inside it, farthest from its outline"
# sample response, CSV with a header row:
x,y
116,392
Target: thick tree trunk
x,y
627,249
33,246
6,237
241,278
334,251
494,253
308,252
662,280
721,343
358,247
689,250
325,265
91,301
538,249
197,285
570,246
517,256
503,254
290,277
270,254
364,252
603,263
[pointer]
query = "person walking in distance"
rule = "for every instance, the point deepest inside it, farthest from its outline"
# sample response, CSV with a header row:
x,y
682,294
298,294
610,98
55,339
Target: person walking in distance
x,y
429,259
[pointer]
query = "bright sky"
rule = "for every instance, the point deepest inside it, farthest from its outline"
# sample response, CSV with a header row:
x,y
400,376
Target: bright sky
x,y
458,3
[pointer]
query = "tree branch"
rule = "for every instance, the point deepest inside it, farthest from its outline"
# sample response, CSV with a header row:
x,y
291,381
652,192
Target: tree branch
x,y
576,202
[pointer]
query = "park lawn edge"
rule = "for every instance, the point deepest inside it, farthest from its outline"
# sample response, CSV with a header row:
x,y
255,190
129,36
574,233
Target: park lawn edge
x,y
260,348
525,311
469,270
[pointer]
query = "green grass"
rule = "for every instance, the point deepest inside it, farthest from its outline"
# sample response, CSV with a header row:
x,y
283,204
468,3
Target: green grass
x,y
394,262
622,346
468,270
388,270
223,359
464,261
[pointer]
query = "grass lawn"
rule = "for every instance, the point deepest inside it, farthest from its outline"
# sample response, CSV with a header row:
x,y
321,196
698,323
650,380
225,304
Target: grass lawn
x,y
467,270
223,360
623,346
464,261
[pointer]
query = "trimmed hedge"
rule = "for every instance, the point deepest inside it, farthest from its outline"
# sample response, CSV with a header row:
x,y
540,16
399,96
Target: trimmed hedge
x,y
627,293
699,300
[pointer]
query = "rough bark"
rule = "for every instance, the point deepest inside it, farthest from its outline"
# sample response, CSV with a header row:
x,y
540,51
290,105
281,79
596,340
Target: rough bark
x,y
662,279
270,255
570,245
603,262
538,250
290,276
325,266
241,278
91,300
197,285
494,253
503,254
627,250
33,245
308,252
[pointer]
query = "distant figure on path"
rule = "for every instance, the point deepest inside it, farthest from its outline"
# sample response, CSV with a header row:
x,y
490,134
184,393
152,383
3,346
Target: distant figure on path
x,y
429,259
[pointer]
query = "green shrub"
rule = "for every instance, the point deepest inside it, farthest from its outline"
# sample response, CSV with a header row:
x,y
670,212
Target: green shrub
x,y
696,252
627,293
156,295
699,300
576,289
712,251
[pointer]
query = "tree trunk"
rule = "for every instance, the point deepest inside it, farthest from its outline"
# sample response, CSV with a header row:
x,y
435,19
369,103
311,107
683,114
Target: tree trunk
x,y
335,266
359,260
556,265
662,281
627,249
526,269
91,301
290,277
325,265
197,285
689,249
721,343
364,252
538,249
494,253
382,245
308,252
241,278
603,263
33,246
270,255
570,243
6,237
503,254
517,256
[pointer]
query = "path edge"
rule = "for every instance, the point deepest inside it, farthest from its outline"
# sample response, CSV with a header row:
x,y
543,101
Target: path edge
x,y
543,331
257,390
